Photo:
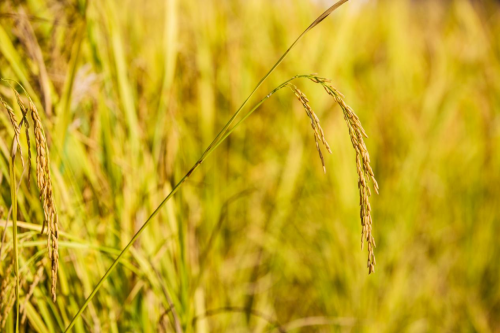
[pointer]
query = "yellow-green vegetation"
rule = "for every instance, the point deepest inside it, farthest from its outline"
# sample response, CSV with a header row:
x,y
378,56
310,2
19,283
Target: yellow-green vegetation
x,y
129,95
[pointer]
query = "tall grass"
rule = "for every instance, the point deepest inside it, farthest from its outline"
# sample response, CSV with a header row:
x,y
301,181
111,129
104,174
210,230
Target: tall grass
x,y
259,238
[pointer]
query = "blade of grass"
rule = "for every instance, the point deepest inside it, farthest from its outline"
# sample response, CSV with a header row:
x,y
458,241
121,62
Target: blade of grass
x,y
64,109
224,133
35,319
4,234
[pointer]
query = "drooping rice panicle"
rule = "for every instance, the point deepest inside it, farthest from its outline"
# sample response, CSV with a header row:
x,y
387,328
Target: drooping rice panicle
x,y
319,134
43,177
15,126
24,121
44,183
363,167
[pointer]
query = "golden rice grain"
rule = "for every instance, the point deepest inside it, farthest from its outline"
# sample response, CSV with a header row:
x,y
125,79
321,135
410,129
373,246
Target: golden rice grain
x,y
24,121
319,134
43,177
15,126
44,183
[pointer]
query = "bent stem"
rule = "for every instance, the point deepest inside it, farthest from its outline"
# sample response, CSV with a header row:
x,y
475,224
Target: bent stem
x,y
207,152
223,134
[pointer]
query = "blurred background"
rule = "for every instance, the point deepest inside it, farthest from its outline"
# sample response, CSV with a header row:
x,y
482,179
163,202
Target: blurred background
x,y
132,92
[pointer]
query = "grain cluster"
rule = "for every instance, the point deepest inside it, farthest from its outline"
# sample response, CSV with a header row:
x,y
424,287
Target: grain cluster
x,y
363,167
44,182
319,134
43,175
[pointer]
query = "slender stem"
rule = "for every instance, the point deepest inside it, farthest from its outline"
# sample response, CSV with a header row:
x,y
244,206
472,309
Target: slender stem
x,y
209,150
4,234
281,86
280,60
117,260
223,134
13,192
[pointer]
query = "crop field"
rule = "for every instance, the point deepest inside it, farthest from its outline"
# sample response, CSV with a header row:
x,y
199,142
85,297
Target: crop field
x,y
168,166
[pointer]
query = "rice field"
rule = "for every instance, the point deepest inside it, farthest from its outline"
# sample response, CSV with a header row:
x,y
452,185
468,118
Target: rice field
x,y
115,114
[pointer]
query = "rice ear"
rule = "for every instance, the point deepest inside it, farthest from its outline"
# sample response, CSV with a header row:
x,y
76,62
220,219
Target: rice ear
x,y
24,121
17,128
363,168
43,177
44,182
319,134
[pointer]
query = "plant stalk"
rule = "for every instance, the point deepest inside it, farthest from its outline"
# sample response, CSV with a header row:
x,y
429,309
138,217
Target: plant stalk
x,y
223,134
13,192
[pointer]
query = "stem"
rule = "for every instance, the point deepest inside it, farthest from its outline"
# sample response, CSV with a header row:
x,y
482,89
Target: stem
x,y
117,260
13,192
223,134
4,234
207,152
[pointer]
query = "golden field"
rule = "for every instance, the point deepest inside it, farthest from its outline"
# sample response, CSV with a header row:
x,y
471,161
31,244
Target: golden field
x,y
258,239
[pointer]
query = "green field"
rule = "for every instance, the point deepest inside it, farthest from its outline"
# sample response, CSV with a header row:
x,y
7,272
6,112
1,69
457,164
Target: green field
x,y
258,239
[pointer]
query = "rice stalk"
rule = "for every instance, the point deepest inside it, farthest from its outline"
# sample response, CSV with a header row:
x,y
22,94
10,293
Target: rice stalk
x,y
319,136
356,133
44,181
16,145
224,133
13,191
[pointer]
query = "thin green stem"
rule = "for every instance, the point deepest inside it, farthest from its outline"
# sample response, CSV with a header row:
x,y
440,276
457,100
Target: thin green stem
x,y
13,192
223,134
281,86
122,253
280,60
